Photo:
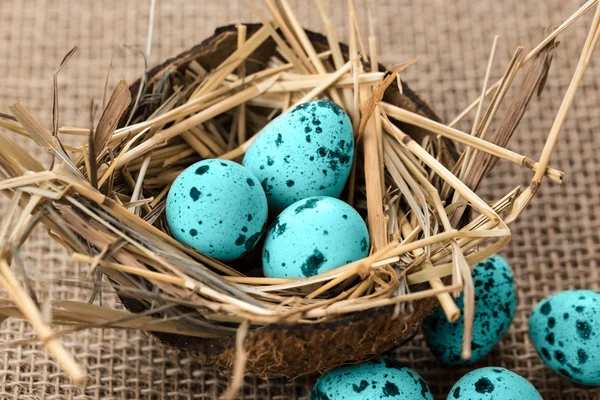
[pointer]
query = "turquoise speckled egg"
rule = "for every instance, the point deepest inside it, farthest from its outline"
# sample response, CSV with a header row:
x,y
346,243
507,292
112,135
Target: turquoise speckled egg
x,y
312,236
372,380
565,330
495,306
304,152
218,208
493,383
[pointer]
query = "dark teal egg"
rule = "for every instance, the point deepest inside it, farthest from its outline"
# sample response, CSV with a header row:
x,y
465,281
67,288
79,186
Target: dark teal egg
x,y
372,380
493,383
495,306
565,330
304,152
312,236
218,208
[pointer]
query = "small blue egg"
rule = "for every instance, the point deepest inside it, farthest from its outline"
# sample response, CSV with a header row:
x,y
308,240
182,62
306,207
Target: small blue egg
x,y
218,208
304,152
372,380
565,330
495,306
312,236
493,383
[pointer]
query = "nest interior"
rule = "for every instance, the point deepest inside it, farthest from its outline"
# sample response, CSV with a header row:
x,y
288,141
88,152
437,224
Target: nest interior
x,y
299,348
104,201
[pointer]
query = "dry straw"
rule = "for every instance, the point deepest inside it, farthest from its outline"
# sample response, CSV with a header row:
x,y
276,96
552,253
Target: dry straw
x,y
104,201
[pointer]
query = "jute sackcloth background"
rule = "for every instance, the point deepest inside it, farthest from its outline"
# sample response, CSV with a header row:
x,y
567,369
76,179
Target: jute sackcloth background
x,y
556,245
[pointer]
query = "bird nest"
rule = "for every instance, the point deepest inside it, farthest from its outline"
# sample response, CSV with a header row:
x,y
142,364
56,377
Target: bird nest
x,y
414,180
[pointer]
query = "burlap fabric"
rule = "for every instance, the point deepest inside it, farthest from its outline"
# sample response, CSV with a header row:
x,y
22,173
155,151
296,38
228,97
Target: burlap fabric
x,y
555,247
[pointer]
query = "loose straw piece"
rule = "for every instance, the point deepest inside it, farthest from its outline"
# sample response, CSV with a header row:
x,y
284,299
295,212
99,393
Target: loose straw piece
x,y
323,86
34,316
477,143
565,106
239,365
574,17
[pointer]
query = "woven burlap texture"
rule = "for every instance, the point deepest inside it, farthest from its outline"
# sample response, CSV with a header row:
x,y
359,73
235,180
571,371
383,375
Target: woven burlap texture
x,y
556,245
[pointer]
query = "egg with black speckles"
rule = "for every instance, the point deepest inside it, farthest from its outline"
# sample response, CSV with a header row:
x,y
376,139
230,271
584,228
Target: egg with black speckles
x,y
304,152
372,380
495,306
218,208
565,330
312,236
493,383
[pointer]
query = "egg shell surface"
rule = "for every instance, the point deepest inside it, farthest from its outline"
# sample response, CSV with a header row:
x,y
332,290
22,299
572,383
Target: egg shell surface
x,y
493,383
565,330
373,380
218,208
304,152
312,236
495,306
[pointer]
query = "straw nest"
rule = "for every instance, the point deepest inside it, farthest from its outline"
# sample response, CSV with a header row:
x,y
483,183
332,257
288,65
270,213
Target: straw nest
x,y
414,181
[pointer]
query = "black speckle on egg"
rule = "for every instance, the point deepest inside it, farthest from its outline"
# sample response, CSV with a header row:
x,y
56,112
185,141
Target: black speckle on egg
x,y
551,322
363,244
345,216
564,372
244,229
308,138
250,182
267,255
193,232
311,158
550,338
583,329
307,129
582,356
308,204
546,354
498,370
279,228
475,346
279,140
390,389
484,385
195,194
202,170
325,232
360,387
224,164
266,187
456,392
322,151
311,265
289,183
560,356
318,129
270,161
199,222
579,309
249,217
324,171
546,308
566,316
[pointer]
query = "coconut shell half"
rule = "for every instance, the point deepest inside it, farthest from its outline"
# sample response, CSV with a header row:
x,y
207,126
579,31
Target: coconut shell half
x,y
291,350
